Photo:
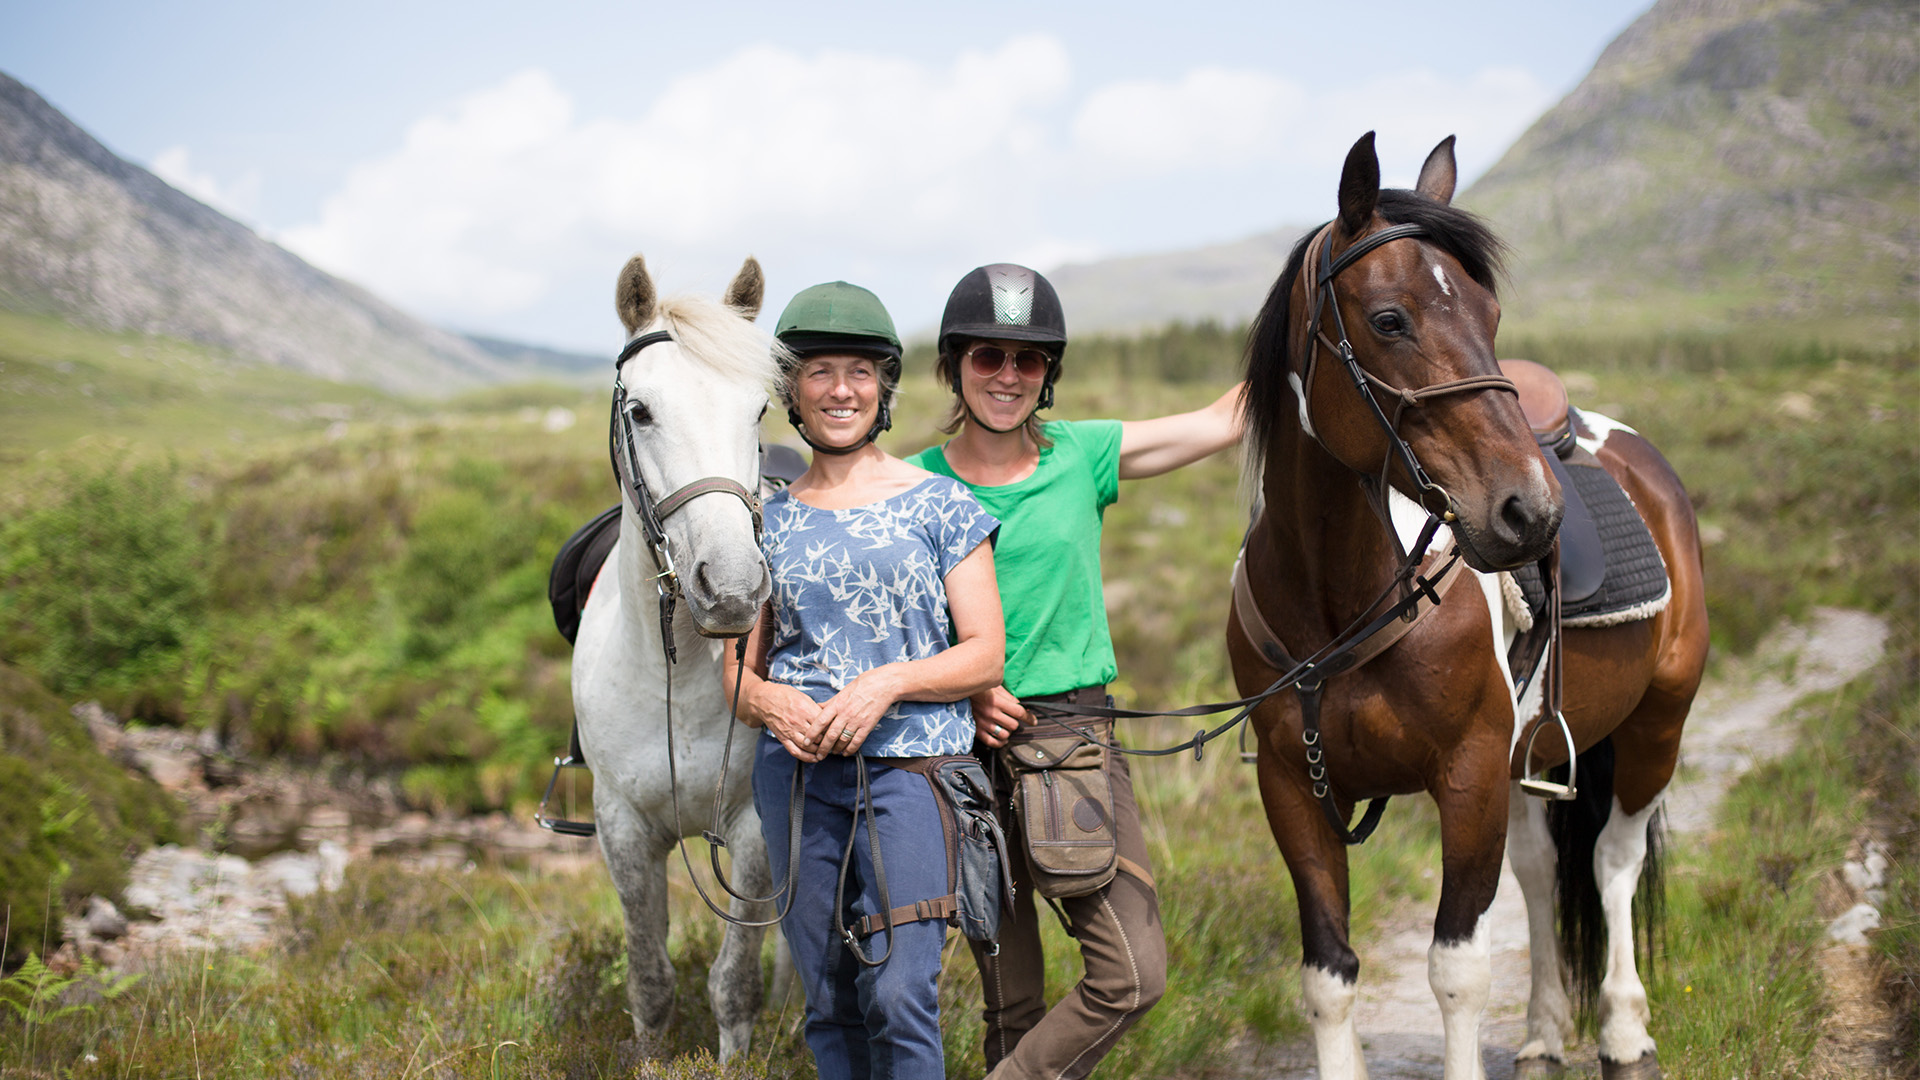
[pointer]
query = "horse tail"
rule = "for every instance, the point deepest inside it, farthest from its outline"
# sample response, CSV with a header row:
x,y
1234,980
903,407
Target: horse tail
x,y
1575,826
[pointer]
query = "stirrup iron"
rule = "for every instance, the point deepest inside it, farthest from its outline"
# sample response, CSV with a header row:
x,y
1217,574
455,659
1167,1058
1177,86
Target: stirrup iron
x,y
1541,787
562,826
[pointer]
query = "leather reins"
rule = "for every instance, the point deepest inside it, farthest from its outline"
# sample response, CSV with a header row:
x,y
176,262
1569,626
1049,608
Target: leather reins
x,y
1346,650
653,515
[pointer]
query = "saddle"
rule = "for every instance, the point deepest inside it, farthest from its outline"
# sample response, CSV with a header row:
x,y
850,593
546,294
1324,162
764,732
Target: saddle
x,y
1611,571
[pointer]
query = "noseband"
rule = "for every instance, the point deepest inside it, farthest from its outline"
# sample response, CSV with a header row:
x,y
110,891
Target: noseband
x,y
1432,497
623,443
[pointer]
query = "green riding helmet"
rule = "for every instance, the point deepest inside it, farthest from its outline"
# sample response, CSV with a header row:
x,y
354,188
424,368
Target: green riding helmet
x,y
838,317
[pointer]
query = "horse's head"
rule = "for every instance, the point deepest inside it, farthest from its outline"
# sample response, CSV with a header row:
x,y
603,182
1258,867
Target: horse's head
x,y
1419,312
692,396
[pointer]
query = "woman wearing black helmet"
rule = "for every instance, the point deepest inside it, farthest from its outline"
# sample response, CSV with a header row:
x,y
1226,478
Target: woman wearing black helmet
x,y
1049,483
876,566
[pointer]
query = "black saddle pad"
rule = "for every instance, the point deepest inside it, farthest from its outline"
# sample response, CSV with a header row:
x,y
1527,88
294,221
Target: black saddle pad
x,y
1636,574
575,568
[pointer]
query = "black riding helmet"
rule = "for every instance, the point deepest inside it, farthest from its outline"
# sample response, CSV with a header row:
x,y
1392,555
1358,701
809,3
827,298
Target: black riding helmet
x,y
837,317
1009,302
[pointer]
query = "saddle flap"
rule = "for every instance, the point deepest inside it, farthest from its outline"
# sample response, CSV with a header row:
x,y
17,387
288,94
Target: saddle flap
x,y
1543,399
1583,561
576,567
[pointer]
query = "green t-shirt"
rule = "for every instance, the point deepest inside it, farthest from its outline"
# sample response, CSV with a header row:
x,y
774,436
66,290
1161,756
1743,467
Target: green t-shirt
x,y
1047,558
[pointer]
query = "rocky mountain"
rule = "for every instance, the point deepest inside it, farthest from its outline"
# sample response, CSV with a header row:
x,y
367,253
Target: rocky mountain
x,y
103,243
1225,283
1726,162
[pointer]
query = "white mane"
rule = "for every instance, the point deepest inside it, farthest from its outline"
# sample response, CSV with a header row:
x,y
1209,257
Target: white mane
x,y
715,335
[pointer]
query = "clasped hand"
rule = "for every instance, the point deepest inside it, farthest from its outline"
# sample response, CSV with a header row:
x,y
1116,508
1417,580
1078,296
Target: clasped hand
x,y
840,725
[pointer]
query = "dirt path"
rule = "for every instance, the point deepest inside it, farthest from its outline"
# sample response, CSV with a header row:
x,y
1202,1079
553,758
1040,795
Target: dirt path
x,y
1735,724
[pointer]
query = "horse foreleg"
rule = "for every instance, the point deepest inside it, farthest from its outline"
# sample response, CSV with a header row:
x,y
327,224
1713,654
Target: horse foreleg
x,y
636,860
1473,827
1329,970
1626,1049
1531,852
733,985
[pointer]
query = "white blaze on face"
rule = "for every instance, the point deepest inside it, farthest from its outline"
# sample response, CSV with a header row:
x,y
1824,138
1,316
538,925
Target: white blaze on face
x,y
1440,276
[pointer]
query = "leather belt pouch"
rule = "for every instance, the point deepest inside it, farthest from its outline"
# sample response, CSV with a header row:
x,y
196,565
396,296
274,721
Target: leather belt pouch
x,y
1063,797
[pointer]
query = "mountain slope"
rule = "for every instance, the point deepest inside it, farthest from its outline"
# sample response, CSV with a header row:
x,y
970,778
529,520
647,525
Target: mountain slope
x,y
101,242
1225,283
1725,162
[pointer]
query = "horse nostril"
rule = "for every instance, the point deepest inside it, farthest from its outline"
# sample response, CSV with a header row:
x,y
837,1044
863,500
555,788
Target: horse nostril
x,y
700,578
1514,520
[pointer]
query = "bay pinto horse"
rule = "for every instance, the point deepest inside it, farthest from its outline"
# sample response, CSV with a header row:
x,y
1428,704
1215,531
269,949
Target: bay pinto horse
x,y
690,388
1437,711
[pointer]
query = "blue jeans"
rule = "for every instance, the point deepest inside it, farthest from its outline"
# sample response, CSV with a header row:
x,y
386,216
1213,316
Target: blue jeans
x,y
862,1022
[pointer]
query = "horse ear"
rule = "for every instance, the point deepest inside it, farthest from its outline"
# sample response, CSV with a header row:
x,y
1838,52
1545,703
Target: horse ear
x,y
1439,174
1359,185
748,289
633,295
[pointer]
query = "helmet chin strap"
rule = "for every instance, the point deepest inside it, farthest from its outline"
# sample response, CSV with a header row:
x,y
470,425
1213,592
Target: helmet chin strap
x,y
882,422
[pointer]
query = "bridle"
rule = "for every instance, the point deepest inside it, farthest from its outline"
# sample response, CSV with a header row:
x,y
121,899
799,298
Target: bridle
x,y
1321,269
623,444
1344,652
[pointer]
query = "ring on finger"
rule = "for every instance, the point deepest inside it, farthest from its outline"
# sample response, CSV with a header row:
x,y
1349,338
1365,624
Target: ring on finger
x,y
845,734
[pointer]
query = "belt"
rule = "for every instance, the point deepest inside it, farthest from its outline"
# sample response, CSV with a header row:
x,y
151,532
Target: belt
x,y
1051,727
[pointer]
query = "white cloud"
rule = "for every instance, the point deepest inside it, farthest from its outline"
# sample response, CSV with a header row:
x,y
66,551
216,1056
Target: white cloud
x,y
852,164
1209,118
1214,118
867,153
241,199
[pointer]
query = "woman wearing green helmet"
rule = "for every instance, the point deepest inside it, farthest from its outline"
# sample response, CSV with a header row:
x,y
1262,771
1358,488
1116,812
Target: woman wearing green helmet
x,y
876,566
1002,339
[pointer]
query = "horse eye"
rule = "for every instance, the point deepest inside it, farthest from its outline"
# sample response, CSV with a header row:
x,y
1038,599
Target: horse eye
x,y
638,412
1389,322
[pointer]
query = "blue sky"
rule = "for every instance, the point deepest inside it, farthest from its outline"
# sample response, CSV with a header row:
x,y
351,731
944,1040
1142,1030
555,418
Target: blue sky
x,y
489,167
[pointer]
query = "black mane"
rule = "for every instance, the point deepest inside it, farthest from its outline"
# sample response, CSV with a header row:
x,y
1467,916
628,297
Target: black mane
x,y
1457,232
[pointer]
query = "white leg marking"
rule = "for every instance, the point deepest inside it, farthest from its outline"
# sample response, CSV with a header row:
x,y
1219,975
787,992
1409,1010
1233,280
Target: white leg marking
x,y
1461,975
1616,868
1531,853
1330,1009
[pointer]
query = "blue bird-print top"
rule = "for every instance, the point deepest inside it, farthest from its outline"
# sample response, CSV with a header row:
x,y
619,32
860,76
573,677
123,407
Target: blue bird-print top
x,y
854,589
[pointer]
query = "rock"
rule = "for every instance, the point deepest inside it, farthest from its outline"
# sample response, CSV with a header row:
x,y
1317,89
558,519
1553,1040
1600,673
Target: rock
x,y
106,728
1852,925
103,920
174,770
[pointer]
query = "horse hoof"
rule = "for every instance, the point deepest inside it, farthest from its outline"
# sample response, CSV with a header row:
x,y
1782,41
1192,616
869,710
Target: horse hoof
x,y
1537,1068
1646,1068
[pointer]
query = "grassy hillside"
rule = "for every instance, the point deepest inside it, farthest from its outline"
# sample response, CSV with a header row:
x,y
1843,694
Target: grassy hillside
x,y
1725,165
368,591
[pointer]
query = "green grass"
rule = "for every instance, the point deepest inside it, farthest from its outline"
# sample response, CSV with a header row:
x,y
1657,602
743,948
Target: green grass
x,y
1738,990
370,595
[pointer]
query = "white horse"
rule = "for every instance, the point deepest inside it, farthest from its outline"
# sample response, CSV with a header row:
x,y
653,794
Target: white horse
x,y
695,389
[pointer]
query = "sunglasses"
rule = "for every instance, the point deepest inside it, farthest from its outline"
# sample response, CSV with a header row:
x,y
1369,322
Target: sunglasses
x,y
988,360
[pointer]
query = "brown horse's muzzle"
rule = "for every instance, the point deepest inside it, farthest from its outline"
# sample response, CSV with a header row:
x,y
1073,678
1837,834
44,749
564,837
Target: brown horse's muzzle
x,y
1512,525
